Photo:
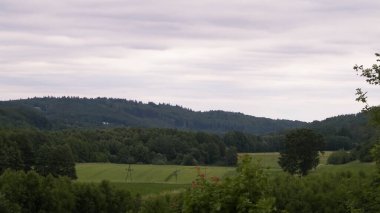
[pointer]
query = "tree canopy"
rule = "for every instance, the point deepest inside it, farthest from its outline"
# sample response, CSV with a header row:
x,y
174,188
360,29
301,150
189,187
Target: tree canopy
x,y
301,151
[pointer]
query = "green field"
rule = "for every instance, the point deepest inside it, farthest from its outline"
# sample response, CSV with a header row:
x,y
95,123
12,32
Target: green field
x,y
148,179
96,172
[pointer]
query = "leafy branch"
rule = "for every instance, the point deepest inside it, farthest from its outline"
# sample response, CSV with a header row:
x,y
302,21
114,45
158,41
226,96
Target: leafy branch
x,y
372,76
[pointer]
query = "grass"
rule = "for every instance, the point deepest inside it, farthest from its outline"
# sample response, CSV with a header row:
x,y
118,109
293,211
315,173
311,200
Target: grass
x,y
146,179
96,172
154,179
354,166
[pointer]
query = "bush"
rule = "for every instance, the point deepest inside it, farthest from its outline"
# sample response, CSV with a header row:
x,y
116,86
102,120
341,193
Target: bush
x,y
324,193
340,157
245,192
163,203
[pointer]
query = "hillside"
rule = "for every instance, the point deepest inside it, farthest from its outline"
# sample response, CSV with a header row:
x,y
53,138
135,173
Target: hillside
x,y
69,112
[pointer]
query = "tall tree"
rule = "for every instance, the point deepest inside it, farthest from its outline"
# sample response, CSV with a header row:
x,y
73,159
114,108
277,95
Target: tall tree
x,y
301,151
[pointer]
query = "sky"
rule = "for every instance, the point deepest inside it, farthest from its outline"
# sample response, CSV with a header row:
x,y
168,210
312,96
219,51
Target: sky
x,y
288,59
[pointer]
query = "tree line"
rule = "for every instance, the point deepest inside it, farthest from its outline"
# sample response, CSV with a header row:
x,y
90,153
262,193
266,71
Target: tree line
x,y
42,150
56,152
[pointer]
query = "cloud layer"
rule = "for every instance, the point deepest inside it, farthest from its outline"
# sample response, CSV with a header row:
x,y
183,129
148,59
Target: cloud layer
x,y
278,59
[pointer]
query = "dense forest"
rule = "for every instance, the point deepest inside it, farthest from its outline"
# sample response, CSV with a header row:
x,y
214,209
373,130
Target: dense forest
x,y
72,112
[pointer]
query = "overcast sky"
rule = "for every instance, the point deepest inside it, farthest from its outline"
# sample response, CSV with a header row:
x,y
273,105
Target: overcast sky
x,y
279,59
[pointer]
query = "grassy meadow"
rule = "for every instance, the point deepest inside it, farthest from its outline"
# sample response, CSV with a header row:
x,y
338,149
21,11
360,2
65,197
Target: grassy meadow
x,y
152,179
147,179
163,174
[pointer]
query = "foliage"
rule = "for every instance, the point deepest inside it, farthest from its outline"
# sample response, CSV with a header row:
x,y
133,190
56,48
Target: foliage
x,y
30,192
46,150
326,192
55,160
10,156
363,151
22,117
250,190
376,154
344,131
163,203
340,157
73,112
231,156
301,152
372,76
245,192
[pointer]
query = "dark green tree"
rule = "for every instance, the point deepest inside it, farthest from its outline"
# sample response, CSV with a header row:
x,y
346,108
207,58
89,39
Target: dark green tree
x,y
55,160
188,160
376,154
10,156
301,151
231,156
237,139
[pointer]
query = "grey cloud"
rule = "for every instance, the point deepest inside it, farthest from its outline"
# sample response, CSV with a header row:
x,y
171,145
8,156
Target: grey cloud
x,y
260,57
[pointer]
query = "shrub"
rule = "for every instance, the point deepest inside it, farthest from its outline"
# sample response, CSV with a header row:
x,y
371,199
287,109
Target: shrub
x,y
245,192
340,157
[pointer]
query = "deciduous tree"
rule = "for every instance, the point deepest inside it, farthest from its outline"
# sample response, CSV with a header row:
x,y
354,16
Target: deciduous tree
x,y
55,160
301,151
372,76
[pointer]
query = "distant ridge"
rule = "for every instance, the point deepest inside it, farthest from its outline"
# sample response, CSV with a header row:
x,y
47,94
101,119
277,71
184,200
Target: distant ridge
x,y
74,112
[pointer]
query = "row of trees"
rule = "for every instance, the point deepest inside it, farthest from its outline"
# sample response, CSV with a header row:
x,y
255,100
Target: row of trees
x,y
56,152
30,192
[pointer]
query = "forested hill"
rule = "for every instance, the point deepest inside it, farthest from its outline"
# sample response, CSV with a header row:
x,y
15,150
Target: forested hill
x,y
68,112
